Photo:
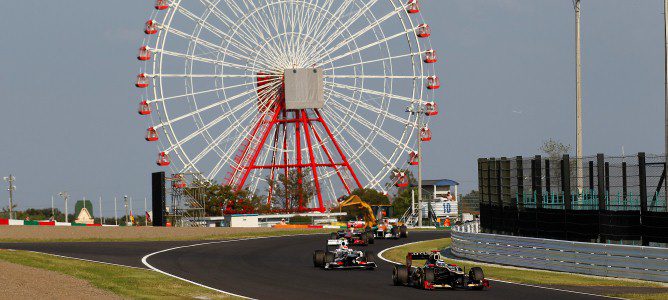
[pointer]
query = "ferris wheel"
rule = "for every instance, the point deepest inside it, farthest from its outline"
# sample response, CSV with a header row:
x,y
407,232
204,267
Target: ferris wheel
x,y
245,91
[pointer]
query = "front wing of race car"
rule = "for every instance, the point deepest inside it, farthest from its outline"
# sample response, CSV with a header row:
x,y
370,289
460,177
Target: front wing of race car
x,y
342,266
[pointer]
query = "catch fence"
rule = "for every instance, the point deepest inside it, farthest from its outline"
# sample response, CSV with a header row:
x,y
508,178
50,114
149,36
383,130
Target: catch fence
x,y
590,199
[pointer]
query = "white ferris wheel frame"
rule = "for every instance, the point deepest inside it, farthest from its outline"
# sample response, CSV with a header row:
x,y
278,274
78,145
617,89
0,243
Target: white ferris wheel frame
x,y
244,40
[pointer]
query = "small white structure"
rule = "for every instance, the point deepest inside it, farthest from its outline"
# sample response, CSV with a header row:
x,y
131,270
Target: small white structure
x,y
442,208
243,221
84,217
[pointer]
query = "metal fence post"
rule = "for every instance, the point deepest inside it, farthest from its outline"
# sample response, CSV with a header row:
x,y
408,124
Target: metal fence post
x,y
642,179
624,182
520,183
537,181
481,190
600,170
591,176
547,178
566,181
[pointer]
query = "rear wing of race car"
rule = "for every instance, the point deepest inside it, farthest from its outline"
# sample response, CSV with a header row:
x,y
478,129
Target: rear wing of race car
x,y
433,255
334,242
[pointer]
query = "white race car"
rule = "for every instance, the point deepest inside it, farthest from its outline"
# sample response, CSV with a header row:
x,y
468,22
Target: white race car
x,y
343,257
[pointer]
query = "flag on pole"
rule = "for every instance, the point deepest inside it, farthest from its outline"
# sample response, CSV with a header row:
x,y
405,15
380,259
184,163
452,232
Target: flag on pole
x,y
132,218
148,217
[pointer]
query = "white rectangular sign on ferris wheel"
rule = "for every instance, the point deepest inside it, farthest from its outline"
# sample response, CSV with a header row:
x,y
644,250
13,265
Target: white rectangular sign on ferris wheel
x,y
304,88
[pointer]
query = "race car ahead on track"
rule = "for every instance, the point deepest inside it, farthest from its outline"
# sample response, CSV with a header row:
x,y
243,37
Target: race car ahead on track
x,y
391,229
436,273
343,257
356,234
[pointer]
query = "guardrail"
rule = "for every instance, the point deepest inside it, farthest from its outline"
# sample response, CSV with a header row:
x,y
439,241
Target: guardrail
x,y
636,262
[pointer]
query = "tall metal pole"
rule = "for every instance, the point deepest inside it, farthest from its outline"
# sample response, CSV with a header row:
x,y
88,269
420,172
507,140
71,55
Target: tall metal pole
x,y
420,168
11,189
65,196
578,96
101,221
145,212
126,209
115,211
665,27
53,213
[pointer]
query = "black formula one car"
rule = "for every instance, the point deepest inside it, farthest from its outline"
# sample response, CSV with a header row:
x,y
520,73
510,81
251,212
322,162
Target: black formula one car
x,y
358,237
343,257
436,273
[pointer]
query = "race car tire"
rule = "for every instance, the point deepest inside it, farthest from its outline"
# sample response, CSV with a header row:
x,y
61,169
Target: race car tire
x,y
333,236
427,275
368,256
319,258
370,236
476,274
403,231
400,275
395,232
329,257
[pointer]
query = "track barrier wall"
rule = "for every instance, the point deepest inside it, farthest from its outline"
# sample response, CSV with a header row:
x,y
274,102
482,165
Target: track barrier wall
x,y
7,222
623,261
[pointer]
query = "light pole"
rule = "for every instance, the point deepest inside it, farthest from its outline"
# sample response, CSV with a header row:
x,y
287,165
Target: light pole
x,y
11,189
578,96
115,212
126,209
420,111
101,221
65,196
665,27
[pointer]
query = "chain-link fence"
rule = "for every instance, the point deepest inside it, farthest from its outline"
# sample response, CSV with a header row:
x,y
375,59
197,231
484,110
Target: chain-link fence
x,y
594,198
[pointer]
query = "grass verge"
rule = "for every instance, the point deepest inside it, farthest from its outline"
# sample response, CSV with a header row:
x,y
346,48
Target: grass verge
x,y
122,281
533,277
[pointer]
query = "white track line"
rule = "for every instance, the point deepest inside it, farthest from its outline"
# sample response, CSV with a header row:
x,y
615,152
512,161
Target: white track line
x,y
380,255
144,260
83,259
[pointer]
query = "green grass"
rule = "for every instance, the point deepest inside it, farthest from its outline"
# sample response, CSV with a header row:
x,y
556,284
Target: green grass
x,y
212,237
122,281
534,277
662,296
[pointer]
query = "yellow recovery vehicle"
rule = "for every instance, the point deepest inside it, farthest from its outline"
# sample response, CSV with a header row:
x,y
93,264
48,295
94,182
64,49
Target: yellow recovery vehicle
x,y
386,228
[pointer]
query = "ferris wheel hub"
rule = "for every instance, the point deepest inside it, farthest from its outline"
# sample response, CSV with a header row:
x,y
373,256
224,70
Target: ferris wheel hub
x,y
304,89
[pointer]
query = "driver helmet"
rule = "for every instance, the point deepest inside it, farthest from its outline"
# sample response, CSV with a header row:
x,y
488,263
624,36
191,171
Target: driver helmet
x,y
344,244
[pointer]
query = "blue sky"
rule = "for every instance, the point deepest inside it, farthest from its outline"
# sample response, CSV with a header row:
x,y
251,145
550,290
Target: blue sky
x,y
68,115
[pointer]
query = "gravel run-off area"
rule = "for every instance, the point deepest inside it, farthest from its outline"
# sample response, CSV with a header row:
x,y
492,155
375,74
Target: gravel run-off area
x,y
44,234
21,282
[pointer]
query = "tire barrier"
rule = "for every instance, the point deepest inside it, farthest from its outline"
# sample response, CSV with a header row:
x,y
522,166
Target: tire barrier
x,y
635,262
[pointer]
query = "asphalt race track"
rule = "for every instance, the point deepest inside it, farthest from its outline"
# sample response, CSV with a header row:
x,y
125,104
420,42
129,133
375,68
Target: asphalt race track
x,y
280,268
